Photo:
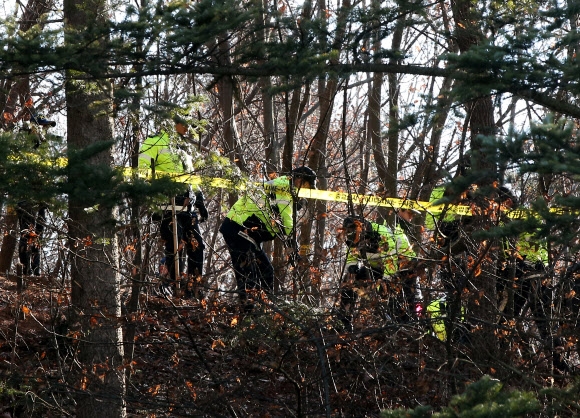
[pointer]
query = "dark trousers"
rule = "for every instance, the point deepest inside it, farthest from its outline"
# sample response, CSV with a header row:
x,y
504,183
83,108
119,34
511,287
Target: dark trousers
x,y
170,247
252,266
364,277
31,220
401,292
189,237
29,254
193,287
195,248
348,296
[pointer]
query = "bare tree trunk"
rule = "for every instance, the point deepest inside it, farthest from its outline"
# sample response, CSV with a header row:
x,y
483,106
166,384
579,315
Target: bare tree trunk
x,y
393,131
374,133
426,175
94,269
272,153
386,167
9,241
12,92
317,161
270,137
226,101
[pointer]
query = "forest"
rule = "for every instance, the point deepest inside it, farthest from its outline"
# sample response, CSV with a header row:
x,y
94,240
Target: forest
x,y
448,126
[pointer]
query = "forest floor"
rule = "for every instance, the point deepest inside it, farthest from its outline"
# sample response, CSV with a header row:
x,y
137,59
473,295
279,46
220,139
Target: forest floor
x,y
203,358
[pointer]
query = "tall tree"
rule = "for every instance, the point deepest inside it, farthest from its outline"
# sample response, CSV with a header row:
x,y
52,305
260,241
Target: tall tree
x,y
93,243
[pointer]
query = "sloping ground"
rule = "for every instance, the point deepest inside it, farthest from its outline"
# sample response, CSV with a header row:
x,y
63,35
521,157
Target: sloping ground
x,y
195,358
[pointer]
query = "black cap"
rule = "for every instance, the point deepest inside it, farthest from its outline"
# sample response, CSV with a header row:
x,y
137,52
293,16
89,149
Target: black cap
x,y
306,174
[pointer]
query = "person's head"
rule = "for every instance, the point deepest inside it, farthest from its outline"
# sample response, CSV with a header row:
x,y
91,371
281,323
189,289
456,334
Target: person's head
x,y
304,177
185,198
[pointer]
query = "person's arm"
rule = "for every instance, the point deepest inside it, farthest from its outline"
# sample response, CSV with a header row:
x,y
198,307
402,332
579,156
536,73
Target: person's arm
x,y
404,247
407,258
281,203
286,214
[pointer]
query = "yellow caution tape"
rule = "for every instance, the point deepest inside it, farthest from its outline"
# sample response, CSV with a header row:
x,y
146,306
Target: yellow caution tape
x,y
328,195
359,199
35,158
369,200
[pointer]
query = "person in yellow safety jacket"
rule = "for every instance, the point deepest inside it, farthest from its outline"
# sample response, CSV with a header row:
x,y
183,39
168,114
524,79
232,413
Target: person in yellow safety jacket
x,y
401,275
532,251
437,312
375,253
158,154
400,251
368,243
381,248
253,220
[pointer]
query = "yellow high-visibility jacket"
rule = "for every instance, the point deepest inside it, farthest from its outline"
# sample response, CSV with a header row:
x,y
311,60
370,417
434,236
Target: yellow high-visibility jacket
x,y
267,212
384,251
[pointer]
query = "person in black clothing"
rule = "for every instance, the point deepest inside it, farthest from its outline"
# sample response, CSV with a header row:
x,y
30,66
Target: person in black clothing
x,y
195,246
259,217
163,153
190,211
31,221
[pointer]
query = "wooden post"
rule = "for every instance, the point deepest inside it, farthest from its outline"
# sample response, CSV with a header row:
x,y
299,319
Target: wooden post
x,y
175,248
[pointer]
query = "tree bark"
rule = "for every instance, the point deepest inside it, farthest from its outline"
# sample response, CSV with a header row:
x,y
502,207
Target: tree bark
x,y
95,297
9,241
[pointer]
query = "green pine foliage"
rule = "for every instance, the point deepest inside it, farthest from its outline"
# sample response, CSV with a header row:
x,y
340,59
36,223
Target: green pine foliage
x,y
548,153
28,170
485,398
